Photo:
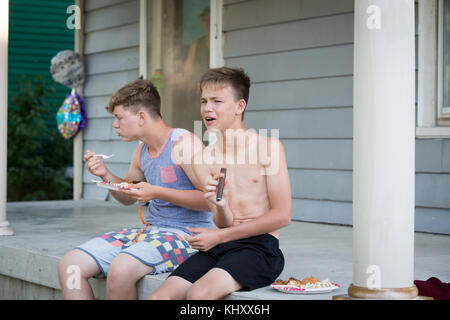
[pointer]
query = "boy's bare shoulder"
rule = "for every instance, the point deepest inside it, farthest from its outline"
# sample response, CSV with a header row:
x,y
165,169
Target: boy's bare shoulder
x,y
135,172
187,139
272,145
185,147
137,152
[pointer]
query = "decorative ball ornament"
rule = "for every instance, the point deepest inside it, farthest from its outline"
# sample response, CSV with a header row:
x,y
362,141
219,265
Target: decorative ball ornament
x,y
67,69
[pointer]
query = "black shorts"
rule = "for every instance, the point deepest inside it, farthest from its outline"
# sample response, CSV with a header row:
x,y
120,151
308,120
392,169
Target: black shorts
x,y
254,262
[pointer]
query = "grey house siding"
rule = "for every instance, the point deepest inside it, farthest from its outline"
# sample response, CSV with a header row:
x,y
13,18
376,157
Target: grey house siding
x,y
433,185
299,55
111,53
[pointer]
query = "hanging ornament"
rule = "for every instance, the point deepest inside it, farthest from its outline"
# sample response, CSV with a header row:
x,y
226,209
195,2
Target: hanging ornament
x,y
71,116
67,69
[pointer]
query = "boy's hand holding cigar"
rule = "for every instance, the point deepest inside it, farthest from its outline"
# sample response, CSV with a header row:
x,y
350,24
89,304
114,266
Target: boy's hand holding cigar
x,y
216,191
216,194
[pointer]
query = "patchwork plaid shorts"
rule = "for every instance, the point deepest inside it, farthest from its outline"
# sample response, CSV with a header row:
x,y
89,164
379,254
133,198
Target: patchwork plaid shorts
x,y
164,249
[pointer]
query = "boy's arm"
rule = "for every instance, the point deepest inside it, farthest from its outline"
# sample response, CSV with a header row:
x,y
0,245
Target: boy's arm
x,y
279,216
191,199
96,166
134,174
222,215
187,152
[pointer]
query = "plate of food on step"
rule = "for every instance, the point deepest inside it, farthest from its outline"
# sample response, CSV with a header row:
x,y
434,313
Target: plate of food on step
x,y
309,285
114,186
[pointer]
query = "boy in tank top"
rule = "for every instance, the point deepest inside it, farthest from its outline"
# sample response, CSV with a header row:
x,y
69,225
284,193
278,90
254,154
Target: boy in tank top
x,y
125,256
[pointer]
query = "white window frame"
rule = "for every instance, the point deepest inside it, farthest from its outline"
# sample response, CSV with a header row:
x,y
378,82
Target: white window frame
x,y
443,112
143,39
216,34
430,123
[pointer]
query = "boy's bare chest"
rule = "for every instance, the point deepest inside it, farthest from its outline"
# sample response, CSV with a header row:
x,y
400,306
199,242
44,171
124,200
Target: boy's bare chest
x,y
247,190
241,176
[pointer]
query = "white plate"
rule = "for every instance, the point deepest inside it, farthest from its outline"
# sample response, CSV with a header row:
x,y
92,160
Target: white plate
x,y
297,290
106,185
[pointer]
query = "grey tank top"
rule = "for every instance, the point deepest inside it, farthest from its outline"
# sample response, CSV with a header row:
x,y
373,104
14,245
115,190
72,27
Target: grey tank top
x,y
162,171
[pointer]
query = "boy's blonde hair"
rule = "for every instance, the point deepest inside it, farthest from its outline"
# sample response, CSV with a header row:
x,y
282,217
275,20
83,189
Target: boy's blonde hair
x,y
135,95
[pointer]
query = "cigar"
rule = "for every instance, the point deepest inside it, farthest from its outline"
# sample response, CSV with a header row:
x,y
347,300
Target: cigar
x,y
221,184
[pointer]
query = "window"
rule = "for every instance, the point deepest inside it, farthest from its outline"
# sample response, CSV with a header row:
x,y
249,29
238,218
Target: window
x,y
433,85
177,49
444,60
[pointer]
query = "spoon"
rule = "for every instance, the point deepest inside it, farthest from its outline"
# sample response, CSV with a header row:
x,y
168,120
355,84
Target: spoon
x,y
104,156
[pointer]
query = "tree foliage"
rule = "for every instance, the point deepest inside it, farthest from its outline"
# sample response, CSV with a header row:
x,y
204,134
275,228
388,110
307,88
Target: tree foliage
x,y
37,153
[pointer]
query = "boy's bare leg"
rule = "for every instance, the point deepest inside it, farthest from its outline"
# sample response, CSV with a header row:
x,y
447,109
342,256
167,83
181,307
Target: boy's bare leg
x,y
173,288
214,285
125,271
74,270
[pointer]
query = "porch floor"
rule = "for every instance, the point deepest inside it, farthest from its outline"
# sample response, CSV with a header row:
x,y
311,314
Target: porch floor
x,y
48,229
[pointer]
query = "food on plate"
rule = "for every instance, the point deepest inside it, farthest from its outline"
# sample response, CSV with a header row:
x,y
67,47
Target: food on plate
x,y
280,282
122,185
294,282
307,283
310,280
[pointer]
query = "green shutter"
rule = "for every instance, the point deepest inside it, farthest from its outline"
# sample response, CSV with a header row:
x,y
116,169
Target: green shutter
x,y
37,32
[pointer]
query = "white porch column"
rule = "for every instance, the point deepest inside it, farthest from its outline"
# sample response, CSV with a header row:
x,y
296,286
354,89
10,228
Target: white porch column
x,y
4,27
383,150
78,140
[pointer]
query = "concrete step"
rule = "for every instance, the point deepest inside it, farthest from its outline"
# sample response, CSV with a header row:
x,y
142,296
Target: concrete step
x,y
46,230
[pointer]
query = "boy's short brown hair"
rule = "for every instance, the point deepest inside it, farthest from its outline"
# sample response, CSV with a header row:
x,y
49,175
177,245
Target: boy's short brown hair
x,y
135,95
237,79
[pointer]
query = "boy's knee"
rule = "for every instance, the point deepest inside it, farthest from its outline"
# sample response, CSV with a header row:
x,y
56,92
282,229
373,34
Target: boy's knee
x,y
70,270
120,274
79,262
159,295
199,293
116,276
66,261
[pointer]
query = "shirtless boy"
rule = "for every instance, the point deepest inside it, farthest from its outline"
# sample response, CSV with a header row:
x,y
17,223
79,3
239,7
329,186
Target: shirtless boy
x,y
244,253
131,253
